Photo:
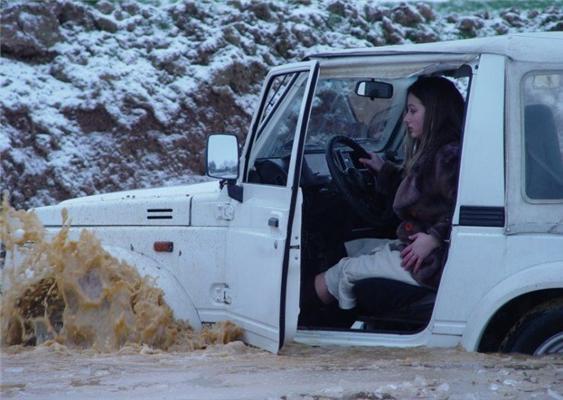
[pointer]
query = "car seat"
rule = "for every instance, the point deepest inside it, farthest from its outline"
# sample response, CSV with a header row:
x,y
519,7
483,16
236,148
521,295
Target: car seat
x,y
389,305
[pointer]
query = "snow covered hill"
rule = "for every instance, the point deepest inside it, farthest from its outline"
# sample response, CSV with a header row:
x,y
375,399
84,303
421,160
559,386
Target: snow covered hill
x,y
97,96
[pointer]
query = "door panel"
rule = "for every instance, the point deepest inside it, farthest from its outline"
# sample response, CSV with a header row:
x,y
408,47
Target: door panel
x,y
255,255
258,251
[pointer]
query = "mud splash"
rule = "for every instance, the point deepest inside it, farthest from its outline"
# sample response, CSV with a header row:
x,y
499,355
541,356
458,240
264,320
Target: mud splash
x,y
57,290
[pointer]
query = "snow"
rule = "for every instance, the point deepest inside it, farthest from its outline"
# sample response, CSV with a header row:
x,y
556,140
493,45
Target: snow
x,y
181,69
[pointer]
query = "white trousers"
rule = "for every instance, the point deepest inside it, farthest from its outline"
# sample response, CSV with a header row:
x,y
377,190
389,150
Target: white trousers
x,y
368,258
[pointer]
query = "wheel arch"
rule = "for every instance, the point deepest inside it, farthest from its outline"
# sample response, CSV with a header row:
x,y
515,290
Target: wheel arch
x,y
506,302
176,296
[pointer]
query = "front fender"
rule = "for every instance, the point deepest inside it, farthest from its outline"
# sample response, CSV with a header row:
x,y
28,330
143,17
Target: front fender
x,y
175,294
538,277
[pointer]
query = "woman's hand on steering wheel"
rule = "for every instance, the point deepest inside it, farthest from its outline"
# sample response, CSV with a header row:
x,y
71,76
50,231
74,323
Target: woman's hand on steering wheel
x,y
357,185
374,163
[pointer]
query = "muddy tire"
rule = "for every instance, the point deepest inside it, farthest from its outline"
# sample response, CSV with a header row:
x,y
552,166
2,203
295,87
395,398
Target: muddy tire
x,y
538,332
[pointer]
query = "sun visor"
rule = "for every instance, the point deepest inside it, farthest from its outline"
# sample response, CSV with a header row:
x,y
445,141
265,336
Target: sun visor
x,y
394,67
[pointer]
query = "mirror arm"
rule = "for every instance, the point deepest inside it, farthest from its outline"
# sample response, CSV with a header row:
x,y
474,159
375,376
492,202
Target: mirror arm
x,y
234,191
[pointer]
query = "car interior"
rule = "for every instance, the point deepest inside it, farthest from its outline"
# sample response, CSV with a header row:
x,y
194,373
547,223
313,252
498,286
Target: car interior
x,y
351,115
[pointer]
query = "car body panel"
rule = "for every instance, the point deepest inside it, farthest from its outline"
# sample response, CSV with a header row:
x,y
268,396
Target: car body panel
x,y
536,46
258,243
166,206
532,279
482,161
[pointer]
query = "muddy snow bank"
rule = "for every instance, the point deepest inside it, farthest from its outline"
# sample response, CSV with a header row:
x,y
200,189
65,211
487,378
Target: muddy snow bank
x,y
123,95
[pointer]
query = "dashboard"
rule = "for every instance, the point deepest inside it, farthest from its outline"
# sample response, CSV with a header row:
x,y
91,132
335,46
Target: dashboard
x,y
315,170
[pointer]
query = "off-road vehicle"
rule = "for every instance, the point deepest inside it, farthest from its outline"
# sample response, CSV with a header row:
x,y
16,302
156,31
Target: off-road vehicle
x,y
284,204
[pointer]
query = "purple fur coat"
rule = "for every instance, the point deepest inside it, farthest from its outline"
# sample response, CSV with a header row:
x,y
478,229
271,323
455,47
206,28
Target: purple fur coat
x,y
424,201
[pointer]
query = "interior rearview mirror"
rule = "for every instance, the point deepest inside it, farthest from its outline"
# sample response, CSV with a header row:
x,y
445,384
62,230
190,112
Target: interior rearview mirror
x,y
222,156
374,89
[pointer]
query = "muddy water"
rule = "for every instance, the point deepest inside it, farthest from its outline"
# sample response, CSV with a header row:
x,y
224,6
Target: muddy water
x,y
79,324
76,294
236,371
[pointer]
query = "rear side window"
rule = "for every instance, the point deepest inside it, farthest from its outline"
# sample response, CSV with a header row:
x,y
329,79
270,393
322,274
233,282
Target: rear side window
x,y
543,135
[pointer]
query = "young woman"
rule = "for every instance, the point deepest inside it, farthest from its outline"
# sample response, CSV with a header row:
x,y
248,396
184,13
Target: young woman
x,y
424,189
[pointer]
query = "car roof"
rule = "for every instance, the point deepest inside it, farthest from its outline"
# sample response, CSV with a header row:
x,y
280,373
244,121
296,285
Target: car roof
x,y
538,47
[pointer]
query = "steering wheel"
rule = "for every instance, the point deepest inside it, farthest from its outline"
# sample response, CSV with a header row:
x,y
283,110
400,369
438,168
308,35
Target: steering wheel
x,y
356,185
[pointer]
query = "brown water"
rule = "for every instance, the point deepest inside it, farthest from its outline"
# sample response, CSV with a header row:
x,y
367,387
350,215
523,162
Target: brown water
x,y
236,371
76,294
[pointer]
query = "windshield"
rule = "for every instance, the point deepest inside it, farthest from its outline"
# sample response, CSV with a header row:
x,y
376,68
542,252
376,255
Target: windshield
x,y
338,110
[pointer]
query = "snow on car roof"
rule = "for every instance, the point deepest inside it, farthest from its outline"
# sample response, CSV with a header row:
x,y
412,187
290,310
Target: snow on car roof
x,y
538,47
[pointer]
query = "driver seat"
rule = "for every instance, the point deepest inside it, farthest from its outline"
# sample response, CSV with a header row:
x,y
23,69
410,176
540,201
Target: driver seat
x,y
393,306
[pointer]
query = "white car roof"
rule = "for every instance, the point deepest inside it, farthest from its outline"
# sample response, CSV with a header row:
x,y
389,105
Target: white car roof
x,y
538,47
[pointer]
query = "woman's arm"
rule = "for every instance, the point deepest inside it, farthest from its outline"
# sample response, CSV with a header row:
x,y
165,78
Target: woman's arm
x,y
446,176
445,181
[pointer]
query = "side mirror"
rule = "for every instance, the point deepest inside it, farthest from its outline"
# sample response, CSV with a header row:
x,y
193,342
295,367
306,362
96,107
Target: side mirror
x,y
374,89
222,158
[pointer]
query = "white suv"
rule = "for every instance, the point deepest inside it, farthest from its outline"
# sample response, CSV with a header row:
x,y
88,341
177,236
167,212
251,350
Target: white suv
x,y
238,248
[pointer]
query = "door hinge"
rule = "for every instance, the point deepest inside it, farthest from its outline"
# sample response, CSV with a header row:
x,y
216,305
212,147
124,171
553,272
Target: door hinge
x,y
222,294
225,211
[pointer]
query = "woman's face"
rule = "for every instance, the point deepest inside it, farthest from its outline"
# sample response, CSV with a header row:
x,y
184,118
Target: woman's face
x,y
414,116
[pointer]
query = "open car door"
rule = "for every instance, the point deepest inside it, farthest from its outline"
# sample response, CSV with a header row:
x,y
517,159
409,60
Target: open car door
x,y
263,240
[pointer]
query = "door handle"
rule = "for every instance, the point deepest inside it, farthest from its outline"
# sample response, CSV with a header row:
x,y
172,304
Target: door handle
x,y
274,222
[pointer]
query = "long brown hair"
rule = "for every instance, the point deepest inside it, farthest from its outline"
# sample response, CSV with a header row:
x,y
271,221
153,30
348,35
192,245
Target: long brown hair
x,y
443,119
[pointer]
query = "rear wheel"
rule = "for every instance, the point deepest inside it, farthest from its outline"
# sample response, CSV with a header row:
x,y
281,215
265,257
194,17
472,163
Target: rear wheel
x,y
538,332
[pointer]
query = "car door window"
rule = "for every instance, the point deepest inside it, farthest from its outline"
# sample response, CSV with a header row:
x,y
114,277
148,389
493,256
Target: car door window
x,y
271,149
543,135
